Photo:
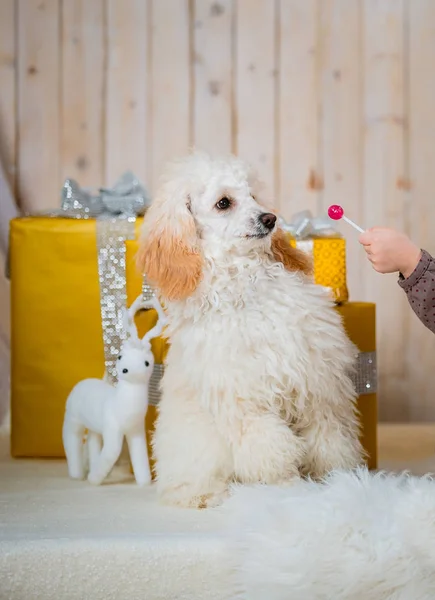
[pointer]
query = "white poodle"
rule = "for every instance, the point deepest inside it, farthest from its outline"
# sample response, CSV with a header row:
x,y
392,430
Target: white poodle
x,y
256,386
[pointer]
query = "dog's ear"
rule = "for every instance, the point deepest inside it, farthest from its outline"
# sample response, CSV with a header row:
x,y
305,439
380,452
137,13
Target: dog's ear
x,y
293,259
169,253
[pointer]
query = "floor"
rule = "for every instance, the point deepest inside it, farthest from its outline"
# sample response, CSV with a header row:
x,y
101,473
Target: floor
x,y
407,447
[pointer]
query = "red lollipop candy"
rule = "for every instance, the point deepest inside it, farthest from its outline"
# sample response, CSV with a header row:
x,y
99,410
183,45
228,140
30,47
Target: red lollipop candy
x,y
336,212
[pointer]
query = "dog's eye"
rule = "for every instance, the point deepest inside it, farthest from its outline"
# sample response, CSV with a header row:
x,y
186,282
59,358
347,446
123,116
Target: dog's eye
x,y
147,364
125,370
223,204
119,357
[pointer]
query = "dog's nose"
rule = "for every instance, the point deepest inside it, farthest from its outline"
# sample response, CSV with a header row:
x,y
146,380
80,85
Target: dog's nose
x,y
268,220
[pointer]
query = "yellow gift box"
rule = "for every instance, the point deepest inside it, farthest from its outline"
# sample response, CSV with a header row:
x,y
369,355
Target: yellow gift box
x,y
57,331
329,259
359,319
56,327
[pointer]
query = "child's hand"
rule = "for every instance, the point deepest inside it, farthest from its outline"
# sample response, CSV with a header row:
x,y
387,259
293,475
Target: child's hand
x,y
390,251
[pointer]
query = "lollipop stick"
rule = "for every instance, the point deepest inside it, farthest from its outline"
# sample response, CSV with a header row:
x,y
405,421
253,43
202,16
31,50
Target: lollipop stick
x,y
357,227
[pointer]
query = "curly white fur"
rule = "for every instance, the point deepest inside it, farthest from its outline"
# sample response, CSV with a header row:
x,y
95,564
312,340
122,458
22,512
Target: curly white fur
x,y
256,386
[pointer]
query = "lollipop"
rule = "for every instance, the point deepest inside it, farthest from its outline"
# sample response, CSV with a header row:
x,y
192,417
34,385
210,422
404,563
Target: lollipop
x,y
336,212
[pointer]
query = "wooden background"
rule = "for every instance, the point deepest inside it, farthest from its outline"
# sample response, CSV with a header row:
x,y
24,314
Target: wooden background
x,y
332,99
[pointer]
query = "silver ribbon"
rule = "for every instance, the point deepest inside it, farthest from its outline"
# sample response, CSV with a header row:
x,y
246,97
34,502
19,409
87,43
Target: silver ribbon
x,y
147,290
112,234
154,385
303,226
365,378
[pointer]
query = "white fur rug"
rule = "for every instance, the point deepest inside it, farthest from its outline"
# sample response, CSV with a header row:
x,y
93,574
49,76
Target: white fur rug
x,y
358,537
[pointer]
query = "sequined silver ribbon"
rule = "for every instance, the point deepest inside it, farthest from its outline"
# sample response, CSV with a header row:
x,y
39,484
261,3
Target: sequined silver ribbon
x,y
154,385
365,377
154,392
147,290
112,234
303,226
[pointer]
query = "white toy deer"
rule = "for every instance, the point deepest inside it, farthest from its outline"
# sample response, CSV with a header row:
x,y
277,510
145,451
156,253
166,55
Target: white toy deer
x,y
110,412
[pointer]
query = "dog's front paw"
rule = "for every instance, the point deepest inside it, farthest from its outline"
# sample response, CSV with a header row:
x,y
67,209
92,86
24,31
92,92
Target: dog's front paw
x,y
181,497
288,481
212,500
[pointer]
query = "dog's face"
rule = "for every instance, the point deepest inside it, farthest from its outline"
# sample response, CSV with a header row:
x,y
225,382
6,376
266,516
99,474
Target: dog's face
x,y
206,206
225,209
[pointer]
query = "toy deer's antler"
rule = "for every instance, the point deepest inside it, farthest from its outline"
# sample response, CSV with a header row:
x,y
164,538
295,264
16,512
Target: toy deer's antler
x,y
128,322
158,328
130,327
128,318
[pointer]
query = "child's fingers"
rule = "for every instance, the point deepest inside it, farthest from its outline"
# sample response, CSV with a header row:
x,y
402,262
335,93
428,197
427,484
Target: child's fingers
x,y
366,238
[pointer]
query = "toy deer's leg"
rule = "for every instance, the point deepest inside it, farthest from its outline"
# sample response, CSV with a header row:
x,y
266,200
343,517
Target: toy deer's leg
x,y
123,462
72,437
139,456
112,446
94,447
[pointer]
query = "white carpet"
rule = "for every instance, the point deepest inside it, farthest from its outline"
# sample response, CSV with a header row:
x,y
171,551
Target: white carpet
x,y
61,539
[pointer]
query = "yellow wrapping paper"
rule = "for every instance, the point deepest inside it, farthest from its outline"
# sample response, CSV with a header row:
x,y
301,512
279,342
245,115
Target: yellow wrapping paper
x,y
57,335
329,258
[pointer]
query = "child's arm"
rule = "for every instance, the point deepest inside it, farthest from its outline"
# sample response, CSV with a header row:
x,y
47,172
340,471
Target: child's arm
x,y
390,251
420,290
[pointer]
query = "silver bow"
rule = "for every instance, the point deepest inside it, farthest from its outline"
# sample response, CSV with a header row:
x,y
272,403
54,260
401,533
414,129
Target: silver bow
x,y
303,226
126,197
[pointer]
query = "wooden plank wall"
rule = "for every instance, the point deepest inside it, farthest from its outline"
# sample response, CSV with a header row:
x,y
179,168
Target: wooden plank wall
x,y
331,99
